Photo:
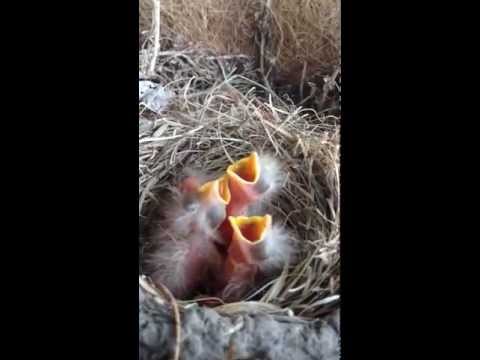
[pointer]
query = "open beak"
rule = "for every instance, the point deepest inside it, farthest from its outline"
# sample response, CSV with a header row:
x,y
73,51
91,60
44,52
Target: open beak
x,y
215,191
244,183
247,246
243,177
215,196
247,182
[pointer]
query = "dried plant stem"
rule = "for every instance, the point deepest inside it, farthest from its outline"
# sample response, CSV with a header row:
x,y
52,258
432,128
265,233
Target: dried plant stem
x,y
156,41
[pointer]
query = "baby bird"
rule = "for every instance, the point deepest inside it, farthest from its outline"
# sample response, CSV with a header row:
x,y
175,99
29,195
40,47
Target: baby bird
x,y
257,249
206,239
186,255
250,180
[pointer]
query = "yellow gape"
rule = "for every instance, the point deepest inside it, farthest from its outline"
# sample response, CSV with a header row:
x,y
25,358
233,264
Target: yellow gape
x,y
215,191
245,171
247,245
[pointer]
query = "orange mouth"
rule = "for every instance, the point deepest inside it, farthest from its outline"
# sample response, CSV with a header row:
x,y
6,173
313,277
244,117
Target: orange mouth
x,y
216,190
243,176
246,170
250,230
247,245
214,197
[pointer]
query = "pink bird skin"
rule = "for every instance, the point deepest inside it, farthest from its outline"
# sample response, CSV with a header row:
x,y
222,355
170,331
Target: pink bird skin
x,y
186,254
257,250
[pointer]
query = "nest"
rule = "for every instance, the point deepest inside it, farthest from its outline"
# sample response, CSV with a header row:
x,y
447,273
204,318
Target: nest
x,y
210,107
216,111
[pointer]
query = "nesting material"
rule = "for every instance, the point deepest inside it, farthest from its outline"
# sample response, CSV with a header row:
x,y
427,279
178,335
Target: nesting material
x,y
255,333
220,113
302,37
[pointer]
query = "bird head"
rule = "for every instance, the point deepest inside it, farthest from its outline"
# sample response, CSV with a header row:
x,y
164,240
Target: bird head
x,y
247,245
250,180
214,196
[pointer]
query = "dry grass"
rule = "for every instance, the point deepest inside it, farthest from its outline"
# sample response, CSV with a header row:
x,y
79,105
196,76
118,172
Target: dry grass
x,y
219,113
305,34
311,37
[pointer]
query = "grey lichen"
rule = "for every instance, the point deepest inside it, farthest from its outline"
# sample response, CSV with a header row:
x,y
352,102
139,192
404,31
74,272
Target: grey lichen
x,y
208,335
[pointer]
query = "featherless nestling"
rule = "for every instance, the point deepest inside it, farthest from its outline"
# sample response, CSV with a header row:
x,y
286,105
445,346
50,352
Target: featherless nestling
x,y
257,250
186,255
208,240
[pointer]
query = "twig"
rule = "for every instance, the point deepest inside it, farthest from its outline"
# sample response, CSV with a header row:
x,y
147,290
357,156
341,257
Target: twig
x,y
156,45
264,42
176,314
302,81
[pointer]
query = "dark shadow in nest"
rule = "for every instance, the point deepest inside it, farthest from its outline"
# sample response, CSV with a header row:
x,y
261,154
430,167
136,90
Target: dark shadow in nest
x,y
316,89
320,94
